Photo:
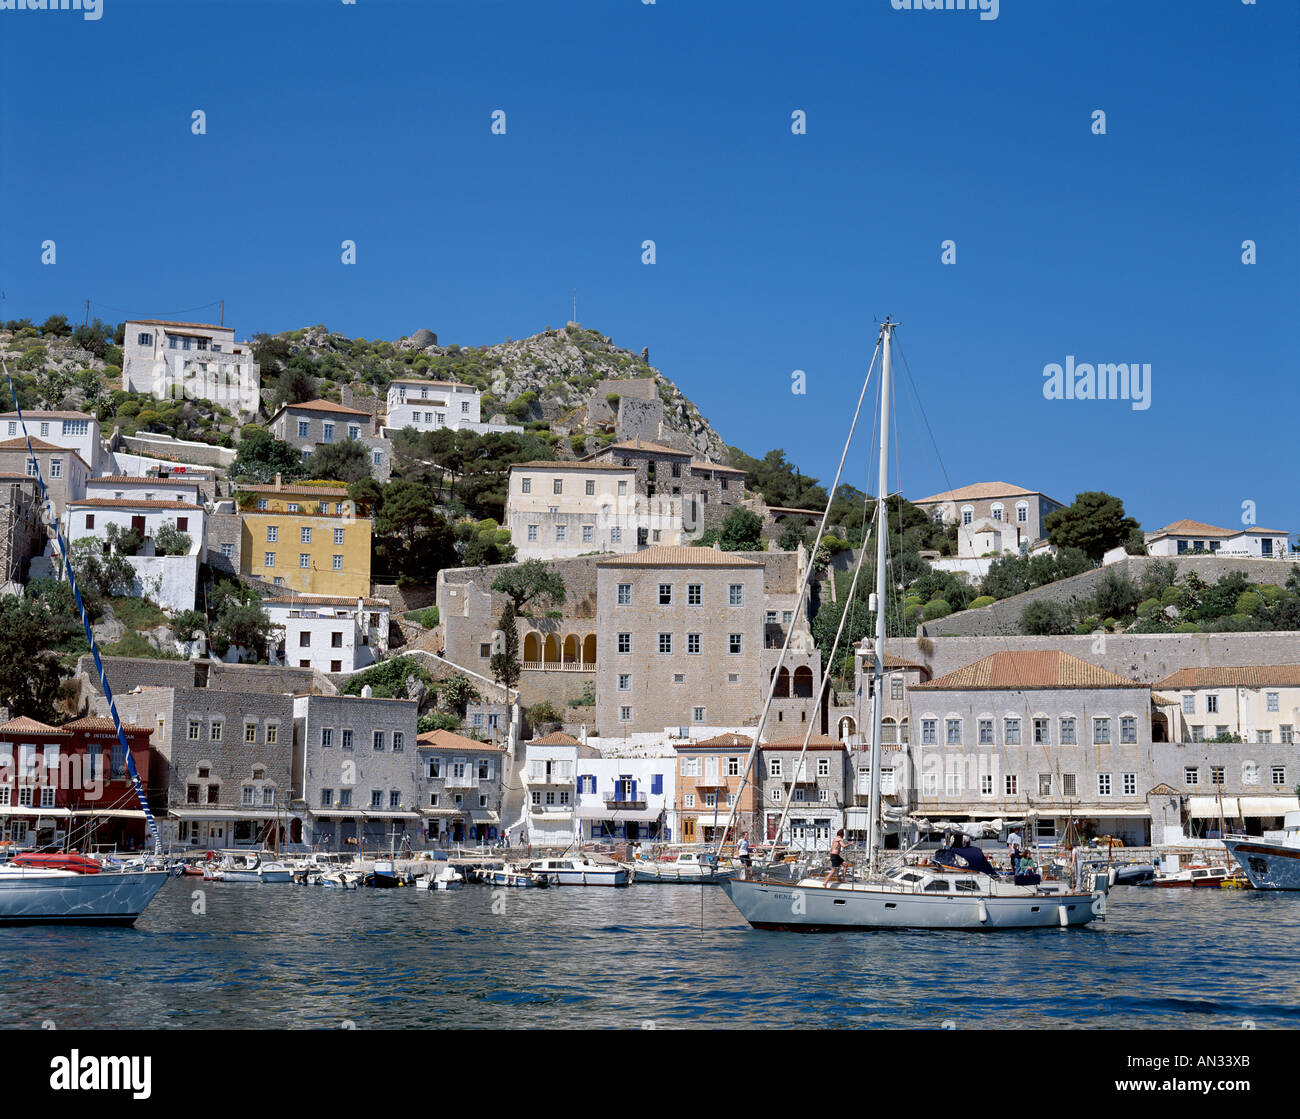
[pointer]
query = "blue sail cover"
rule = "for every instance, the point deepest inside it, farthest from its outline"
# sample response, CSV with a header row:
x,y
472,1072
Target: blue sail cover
x,y
131,769
972,856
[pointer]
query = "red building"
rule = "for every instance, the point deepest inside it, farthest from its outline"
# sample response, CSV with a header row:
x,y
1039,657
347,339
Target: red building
x,y
68,786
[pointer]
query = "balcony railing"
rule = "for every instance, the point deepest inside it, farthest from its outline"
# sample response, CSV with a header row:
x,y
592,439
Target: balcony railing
x,y
560,666
620,801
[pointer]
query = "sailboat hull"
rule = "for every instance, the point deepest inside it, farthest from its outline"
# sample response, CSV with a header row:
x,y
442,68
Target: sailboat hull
x,y
46,898
795,908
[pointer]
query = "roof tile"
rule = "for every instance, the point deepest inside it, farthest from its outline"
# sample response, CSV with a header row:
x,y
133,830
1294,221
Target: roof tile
x,y
1022,669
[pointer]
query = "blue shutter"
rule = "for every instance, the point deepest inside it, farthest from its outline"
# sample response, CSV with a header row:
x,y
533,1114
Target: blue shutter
x,y
657,783
634,788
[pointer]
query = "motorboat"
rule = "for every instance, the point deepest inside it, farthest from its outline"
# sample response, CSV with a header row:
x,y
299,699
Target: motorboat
x,y
580,870
1208,877
513,875
37,895
688,867
1271,861
253,867
385,876
448,878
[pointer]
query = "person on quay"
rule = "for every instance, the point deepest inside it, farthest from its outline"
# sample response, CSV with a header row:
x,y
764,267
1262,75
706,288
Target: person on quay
x,y
1014,843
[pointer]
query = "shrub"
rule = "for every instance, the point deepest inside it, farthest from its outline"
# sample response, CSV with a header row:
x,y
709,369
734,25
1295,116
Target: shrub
x,y
543,712
936,608
1044,618
982,600
170,541
428,617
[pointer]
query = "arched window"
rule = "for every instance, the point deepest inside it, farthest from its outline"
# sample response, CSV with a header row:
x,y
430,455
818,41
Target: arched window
x,y
967,514
889,732
1022,512
996,510
803,682
589,649
571,649
782,684
532,647
551,649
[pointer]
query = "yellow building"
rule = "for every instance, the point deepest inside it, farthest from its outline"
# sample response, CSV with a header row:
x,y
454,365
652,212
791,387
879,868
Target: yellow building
x,y
305,536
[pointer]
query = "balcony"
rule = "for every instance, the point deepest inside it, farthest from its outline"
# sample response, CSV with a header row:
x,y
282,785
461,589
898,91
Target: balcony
x,y
560,666
622,802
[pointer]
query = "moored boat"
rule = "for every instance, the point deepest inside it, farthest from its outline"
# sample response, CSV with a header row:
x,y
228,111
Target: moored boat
x,y
580,870
38,895
1270,862
688,867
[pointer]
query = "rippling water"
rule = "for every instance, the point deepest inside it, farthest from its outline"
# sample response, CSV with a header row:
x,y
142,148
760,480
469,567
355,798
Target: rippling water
x,y
671,956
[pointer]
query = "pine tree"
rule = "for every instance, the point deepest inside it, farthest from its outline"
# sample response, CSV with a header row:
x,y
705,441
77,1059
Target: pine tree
x,y
505,663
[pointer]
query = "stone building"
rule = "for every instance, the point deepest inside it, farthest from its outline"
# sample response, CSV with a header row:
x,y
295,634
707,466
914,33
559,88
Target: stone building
x,y
65,472
1023,512
22,532
227,757
190,361
361,771
809,790
707,490
314,423
460,788
682,634
1042,735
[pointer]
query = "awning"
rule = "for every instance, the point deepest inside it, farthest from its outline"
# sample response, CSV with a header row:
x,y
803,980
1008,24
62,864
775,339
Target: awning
x,y
1096,813
484,816
1210,808
112,813
640,815
395,814
1269,806
336,813
857,819
442,813
223,813
22,810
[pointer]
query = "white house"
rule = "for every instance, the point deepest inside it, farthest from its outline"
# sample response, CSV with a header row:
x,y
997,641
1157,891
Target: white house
x,y
192,361
73,431
1019,515
334,635
551,800
432,405
124,487
171,581
625,798
1186,536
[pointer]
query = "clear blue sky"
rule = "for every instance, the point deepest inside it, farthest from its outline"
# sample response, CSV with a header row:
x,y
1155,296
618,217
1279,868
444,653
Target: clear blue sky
x,y
775,252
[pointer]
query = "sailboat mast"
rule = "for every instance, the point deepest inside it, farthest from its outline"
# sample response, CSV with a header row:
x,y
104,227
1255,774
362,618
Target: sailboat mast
x,y
882,529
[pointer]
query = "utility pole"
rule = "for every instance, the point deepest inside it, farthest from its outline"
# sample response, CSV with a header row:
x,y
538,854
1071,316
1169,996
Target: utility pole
x,y
85,321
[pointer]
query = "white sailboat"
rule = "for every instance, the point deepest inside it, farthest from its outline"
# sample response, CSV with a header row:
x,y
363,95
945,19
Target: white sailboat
x,y
927,896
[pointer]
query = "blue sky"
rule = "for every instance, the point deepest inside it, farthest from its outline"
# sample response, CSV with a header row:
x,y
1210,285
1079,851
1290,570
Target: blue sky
x,y
671,121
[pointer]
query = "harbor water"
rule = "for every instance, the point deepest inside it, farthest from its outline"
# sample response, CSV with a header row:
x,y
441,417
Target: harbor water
x,y
218,955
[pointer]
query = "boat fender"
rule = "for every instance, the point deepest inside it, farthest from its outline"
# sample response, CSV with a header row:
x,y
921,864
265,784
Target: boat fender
x,y
1114,874
1063,915
984,912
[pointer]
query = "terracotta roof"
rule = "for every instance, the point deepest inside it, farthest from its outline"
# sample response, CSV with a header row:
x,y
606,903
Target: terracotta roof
x,y
718,740
36,417
431,384
298,491
639,445
1198,528
18,443
320,406
322,600
132,503
136,480
705,464
448,740
1246,676
555,738
979,491
170,322
817,742
1163,700
892,661
1016,671
679,556
101,722
24,725
558,465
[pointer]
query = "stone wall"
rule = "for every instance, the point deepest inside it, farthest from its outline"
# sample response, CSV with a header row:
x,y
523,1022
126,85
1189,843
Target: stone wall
x,y
125,673
175,450
225,528
640,419
1004,617
1147,657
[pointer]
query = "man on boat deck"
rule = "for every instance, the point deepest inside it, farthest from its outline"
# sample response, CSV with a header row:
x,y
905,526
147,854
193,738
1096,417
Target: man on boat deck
x,y
837,857
1014,843
742,851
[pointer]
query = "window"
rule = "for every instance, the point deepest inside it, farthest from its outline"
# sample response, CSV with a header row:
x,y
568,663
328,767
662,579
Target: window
x,y
734,642
625,594
1022,512
532,532
304,560
327,435
624,681
1069,785
1286,734
1130,784
378,742
896,692
394,798
1044,784
143,339
1189,705
1198,733
345,798
588,534
561,534
305,536
1264,736
967,514
1279,775
326,798
590,487
262,505
996,510
986,785
1128,731
665,594
624,642
665,642
952,784
56,468
694,594
952,732
557,485
625,714
194,728
250,732
326,737
304,640
304,428
1012,785
1211,704
770,618
986,732
31,468
736,594
692,642
1191,775
215,731
1011,732
776,795
774,767
378,458
1067,731
250,794
1270,698
1103,784
1042,732
622,489
930,784
268,559
376,798
697,714
689,800
1101,731
272,733
354,431
929,732
616,535
1216,775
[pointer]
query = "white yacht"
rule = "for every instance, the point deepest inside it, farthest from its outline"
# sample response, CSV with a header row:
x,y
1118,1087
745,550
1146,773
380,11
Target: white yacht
x,y
1272,861
251,867
579,870
964,892
33,895
688,867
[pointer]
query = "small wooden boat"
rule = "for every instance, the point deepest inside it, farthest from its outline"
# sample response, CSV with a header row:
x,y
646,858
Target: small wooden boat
x,y
1199,877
